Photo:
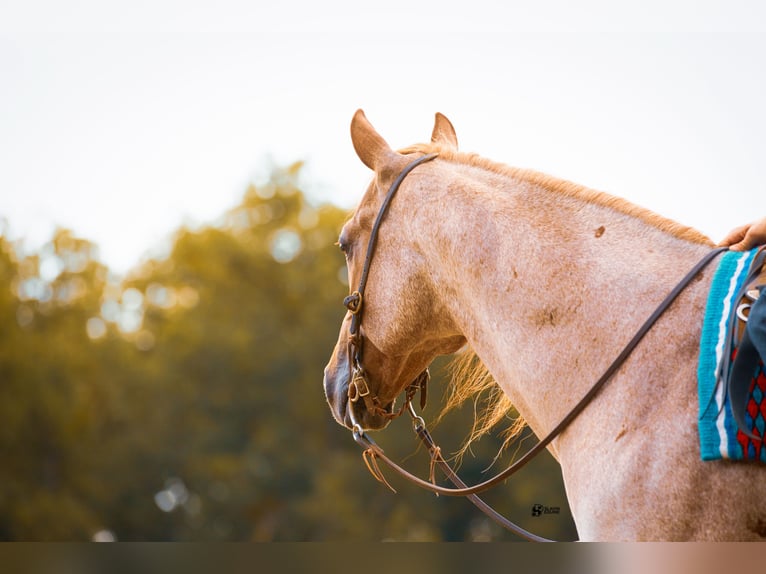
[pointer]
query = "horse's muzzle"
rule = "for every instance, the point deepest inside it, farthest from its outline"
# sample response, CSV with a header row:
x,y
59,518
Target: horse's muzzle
x,y
336,384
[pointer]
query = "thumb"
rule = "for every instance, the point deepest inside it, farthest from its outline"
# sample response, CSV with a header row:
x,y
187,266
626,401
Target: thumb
x,y
737,246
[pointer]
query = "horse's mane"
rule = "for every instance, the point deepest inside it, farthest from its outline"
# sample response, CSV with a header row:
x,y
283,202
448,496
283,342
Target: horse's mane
x,y
566,188
470,378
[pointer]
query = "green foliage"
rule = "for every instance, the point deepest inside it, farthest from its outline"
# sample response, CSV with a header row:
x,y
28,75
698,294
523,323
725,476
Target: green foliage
x,y
185,401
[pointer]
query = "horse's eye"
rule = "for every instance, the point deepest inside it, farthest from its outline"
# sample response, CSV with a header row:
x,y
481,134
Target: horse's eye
x,y
343,242
342,245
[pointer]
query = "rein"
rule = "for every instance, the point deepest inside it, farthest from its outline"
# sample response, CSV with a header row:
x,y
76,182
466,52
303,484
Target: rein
x,y
359,388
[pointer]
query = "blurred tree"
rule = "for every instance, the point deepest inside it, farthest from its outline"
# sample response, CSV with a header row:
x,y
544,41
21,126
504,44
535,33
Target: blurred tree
x,y
53,391
185,402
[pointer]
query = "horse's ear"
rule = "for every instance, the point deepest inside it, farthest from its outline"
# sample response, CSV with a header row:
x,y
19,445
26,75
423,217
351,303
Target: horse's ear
x,y
371,148
444,132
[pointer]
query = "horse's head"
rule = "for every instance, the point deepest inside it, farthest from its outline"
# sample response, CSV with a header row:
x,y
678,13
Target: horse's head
x,y
396,322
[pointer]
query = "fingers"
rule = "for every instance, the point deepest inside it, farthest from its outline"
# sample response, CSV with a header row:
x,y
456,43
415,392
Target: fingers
x,y
746,236
735,238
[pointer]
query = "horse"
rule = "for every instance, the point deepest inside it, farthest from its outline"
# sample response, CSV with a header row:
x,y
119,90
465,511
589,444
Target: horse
x,y
544,280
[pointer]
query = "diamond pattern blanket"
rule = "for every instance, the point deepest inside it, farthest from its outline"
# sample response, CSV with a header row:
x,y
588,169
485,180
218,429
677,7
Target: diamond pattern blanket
x,y
719,435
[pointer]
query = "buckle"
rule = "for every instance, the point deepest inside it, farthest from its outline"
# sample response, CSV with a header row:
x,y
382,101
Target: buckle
x,y
358,386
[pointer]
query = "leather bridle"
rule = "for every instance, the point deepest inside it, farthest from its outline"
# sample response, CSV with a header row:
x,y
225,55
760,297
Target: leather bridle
x,y
359,387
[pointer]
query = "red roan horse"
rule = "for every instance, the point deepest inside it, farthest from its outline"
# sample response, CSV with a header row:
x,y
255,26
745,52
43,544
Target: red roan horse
x,y
544,280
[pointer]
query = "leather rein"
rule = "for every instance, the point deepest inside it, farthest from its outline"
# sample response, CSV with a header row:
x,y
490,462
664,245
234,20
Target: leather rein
x,y
359,388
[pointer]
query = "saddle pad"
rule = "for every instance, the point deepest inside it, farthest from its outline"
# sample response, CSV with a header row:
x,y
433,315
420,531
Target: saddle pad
x,y
719,436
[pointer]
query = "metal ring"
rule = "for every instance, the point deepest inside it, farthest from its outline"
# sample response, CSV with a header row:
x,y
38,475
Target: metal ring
x,y
353,302
741,311
356,428
417,421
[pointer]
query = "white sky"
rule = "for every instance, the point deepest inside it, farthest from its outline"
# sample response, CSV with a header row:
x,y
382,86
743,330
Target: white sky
x,y
124,120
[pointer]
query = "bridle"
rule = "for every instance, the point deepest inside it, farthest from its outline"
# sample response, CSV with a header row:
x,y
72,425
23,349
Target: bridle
x,y
359,387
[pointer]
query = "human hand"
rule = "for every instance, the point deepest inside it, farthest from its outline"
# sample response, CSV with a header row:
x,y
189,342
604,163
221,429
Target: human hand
x,y
746,237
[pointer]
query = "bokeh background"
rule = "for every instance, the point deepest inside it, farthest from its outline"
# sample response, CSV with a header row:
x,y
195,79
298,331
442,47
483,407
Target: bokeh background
x,y
184,401
173,176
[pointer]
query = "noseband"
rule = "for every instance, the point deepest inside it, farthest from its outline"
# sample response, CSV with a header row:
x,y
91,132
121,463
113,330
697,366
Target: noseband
x,y
358,384
358,387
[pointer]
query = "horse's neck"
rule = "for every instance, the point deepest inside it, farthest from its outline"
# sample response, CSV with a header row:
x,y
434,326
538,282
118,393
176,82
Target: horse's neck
x,y
548,289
